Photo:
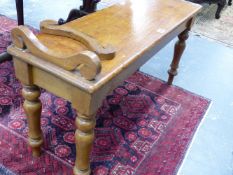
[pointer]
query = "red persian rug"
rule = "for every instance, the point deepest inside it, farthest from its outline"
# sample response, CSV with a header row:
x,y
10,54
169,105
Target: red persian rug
x,y
143,128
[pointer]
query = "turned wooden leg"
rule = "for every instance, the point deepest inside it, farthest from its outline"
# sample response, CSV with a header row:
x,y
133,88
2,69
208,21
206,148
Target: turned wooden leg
x,y
179,49
84,137
32,107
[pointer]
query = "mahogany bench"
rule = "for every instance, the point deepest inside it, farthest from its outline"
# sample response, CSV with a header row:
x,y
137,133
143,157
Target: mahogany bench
x,y
84,60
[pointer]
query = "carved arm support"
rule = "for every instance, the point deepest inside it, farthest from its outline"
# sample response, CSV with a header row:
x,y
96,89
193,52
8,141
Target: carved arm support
x,y
104,52
87,62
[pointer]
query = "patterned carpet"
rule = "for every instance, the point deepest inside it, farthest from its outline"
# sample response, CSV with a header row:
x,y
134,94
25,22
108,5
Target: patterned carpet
x,y
216,29
5,27
143,128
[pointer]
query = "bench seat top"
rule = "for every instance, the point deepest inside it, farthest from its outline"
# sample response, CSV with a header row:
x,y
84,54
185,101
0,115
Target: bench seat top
x,y
137,29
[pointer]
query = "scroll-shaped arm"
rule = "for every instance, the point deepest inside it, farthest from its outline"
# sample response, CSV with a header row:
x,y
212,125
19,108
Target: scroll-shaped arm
x,y
88,62
51,27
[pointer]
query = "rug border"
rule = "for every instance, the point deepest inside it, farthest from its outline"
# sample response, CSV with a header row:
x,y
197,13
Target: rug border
x,y
194,136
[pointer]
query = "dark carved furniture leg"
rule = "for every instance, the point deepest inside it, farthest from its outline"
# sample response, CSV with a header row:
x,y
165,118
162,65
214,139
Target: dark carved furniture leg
x,y
179,49
74,14
230,2
220,4
89,6
19,7
220,7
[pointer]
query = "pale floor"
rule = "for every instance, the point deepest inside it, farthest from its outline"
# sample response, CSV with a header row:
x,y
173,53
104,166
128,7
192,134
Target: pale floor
x,y
206,69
